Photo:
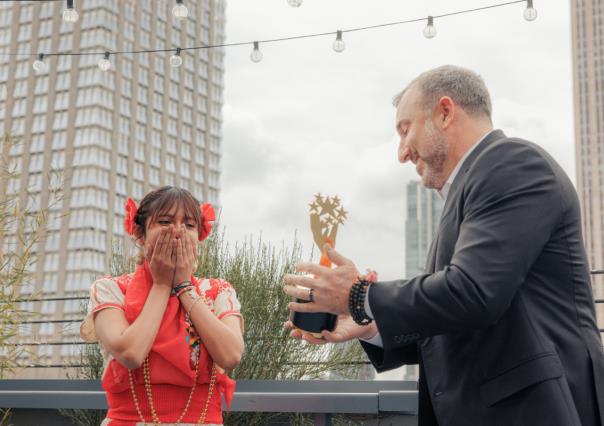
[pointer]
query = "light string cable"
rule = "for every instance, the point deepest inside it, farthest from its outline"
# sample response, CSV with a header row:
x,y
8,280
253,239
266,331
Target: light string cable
x,y
255,43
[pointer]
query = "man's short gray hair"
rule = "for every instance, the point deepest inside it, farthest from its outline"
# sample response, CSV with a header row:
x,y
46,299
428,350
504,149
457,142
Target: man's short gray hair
x,y
465,87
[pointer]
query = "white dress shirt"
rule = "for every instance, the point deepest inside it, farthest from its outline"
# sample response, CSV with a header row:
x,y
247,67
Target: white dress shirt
x,y
443,192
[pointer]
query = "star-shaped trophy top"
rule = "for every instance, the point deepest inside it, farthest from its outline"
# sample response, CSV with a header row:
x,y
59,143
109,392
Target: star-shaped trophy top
x,y
326,215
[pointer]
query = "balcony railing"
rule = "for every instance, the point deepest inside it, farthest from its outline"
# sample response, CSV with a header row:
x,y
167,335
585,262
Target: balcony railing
x,y
323,399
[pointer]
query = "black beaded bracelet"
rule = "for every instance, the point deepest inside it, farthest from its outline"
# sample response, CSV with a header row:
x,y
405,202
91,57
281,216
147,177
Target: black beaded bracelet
x,y
356,302
177,288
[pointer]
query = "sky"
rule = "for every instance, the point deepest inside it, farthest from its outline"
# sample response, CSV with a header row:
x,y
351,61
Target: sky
x,y
307,119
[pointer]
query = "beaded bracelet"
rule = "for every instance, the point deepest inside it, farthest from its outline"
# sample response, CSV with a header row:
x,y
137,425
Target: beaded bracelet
x,y
183,290
356,301
177,289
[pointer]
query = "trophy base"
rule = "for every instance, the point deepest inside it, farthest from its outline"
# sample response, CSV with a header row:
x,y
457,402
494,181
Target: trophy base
x,y
313,322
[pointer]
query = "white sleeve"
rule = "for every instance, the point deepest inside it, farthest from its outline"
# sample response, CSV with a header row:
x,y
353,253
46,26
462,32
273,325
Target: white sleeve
x,y
104,294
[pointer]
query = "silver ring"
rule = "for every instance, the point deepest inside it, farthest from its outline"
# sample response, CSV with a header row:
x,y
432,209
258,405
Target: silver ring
x,y
311,297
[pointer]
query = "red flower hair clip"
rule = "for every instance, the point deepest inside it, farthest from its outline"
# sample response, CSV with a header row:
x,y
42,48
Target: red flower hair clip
x,y
209,215
131,210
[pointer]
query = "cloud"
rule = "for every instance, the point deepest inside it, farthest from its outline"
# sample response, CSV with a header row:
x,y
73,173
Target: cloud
x,y
307,119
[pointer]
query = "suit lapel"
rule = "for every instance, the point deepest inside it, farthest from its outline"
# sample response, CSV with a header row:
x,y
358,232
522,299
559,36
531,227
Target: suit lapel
x,y
454,191
459,180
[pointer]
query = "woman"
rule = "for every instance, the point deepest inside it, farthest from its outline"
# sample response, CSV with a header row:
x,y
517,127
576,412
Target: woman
x,y
166,336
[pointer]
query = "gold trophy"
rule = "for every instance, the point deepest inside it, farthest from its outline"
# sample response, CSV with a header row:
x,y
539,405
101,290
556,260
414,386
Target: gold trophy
x,y
326,214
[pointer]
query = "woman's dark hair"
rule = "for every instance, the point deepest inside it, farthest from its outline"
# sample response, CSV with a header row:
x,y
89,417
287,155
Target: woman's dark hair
x,y
160,201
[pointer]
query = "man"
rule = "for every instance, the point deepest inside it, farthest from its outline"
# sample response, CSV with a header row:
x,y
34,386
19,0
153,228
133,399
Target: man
x,y
502,322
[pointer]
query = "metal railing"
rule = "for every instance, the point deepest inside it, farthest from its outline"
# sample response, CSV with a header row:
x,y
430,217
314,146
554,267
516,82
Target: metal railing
x,y
322,399
77,320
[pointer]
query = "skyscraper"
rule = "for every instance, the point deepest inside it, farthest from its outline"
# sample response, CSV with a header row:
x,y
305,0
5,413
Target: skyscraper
x,y
424,208
111,134
588,79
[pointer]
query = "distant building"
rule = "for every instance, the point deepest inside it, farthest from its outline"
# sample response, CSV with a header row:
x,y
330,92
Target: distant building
x,y
588,79
424,207
114,134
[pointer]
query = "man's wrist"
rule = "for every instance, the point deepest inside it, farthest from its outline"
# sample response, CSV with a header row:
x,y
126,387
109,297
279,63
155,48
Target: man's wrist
x,y
356,301
371,331
367,306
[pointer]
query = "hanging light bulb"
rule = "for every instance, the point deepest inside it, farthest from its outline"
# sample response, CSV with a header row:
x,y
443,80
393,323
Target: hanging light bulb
x,y
180,11
338,44
104,63
176,59
70,14
256,55
39,66
294,3
530,13
430,31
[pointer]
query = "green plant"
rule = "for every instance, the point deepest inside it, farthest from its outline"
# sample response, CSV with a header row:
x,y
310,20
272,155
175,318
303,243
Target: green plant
x,y
22,226
256,271
89,363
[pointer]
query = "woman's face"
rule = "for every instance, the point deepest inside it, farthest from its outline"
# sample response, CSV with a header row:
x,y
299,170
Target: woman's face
x,y
176,219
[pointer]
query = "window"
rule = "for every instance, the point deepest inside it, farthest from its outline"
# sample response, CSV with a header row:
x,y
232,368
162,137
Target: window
x,y
52,241
51,262
35,163
58,160
24,32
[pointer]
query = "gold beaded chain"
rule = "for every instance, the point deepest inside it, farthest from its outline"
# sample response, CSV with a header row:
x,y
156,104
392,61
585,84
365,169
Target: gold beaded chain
x,y
148,390
147,380
202,418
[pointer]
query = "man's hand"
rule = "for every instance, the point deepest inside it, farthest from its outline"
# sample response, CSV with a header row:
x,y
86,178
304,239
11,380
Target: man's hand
x,y
330,287
346,329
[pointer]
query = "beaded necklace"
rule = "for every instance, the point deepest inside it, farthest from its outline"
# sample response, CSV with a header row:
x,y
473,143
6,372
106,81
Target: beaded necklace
x,y
147,380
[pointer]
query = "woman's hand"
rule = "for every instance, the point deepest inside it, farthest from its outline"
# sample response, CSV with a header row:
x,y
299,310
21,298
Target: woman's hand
x,y
161,261
185,258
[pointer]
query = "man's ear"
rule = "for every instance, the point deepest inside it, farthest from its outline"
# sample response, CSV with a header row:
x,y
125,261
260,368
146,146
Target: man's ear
x,y
445,112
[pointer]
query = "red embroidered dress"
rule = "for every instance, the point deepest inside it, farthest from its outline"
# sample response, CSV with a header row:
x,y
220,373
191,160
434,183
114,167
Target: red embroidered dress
x,y
172,373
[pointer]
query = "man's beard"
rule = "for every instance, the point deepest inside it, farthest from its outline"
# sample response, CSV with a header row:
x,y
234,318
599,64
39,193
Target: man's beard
x,y
433,176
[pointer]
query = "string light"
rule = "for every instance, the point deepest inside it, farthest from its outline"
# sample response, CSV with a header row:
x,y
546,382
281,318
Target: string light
x,y
104,63
70,14
176,59
39,66
530,13
294,3
429,30
180,11
338,44
256,55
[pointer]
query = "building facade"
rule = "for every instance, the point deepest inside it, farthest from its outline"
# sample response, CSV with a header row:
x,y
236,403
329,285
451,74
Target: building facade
x,y
588,88
424,208
109,134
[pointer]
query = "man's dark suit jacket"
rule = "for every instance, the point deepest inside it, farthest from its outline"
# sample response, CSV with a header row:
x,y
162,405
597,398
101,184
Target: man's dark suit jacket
x,y
503,322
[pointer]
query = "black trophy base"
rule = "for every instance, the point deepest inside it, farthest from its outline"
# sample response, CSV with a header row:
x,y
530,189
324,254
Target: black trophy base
x,y
313,322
